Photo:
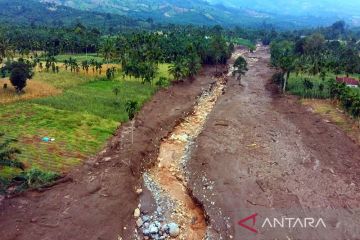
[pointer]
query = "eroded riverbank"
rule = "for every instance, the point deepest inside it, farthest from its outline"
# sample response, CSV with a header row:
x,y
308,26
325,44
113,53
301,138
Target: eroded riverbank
x,y
178,214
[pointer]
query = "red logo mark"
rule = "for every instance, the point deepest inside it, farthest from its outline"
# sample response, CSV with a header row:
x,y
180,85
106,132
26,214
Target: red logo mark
x,y
250,228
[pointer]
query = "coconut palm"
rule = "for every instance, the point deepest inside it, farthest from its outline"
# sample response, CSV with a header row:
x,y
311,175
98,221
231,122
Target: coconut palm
x,y
108,49
5,49
178,69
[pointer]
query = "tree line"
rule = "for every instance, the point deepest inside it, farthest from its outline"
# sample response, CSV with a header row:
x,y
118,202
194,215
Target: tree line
x,y
315,55
139,53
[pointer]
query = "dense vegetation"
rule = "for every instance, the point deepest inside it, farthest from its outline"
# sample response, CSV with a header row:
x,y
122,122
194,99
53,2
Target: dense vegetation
x,y
33,13
309,63
76,84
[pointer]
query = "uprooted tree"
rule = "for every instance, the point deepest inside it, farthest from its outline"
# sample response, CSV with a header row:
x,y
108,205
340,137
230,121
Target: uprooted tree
x,y
240,68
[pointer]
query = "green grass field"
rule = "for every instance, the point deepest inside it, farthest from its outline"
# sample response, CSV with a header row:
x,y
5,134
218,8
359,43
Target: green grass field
x,y
81,118
244,42
97,98
296,85
64,80
79,57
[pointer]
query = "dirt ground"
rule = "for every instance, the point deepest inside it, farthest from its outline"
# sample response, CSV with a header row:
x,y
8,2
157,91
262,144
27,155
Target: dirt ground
x,y
263,153
99,202
260,154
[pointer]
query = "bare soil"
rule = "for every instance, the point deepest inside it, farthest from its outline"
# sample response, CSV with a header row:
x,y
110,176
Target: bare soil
x,y
167,181
100,201
259,152
264,153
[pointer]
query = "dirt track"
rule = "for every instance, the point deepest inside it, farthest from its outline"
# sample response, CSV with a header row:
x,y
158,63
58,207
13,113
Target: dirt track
x,y
261,153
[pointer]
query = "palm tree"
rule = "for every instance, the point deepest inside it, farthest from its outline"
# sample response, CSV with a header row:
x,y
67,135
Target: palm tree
x,y
66,64
193,64
93,64
85,65
178,69
108,49
240,68
5,49
98,66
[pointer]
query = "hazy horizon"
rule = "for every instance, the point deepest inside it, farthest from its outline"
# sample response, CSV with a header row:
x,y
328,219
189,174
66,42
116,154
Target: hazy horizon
x,y
297,7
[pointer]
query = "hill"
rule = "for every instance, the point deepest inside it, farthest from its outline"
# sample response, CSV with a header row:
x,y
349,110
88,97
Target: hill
x,y
321,9
119,15
283,14
36,13
169,11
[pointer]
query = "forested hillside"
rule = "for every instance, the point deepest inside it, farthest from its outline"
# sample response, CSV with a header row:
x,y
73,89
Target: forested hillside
x,y
31,12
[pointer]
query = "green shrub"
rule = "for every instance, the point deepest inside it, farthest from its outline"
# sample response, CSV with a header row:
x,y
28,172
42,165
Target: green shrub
x,y
308,85
8,153
349,97
162,82
131,107
36,178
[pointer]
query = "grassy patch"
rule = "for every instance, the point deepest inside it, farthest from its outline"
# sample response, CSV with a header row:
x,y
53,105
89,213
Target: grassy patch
x,y
296,86
81,118
63,79
243,42
79,57
34,89
97,98
77,135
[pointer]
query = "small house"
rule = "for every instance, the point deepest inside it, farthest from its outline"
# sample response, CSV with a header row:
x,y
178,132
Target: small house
x,y
350,82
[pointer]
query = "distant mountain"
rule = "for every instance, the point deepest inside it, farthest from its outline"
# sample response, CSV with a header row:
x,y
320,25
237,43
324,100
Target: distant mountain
x,y
168,11
120,14
282,13
34,12
323,9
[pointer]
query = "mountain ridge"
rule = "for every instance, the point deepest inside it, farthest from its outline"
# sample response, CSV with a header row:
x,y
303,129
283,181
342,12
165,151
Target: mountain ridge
x,y
116,13
202,12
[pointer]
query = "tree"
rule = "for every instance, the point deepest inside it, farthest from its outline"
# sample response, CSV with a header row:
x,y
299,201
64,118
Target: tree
x,y
130,108
314,44
193,64
350,61
148,71
314,47
178,69
85,65
5,48
20,72
108,49
240,68
283,57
